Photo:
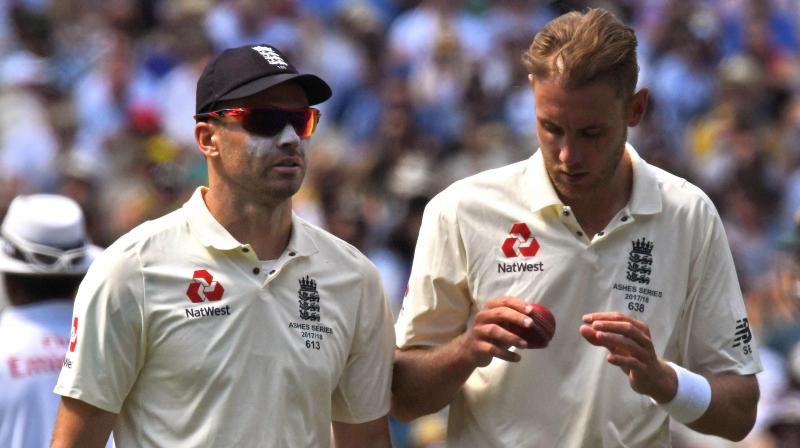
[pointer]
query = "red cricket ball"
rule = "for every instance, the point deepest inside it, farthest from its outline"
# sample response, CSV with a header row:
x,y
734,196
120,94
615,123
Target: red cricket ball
x,y
539,334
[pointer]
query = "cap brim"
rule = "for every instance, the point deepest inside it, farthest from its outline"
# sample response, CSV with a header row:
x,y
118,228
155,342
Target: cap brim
x,y
316,89
9,265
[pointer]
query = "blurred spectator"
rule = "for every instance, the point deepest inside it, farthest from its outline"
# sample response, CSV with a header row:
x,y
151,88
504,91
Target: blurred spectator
x,y
44,254
99,95
680,76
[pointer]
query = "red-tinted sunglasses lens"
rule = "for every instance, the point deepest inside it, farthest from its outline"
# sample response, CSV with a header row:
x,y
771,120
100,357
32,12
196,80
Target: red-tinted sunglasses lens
x,y
269,122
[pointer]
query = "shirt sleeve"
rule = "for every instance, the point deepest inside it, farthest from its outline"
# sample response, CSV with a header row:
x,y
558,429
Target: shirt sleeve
x,y
106,350
437,305
364,389
715,335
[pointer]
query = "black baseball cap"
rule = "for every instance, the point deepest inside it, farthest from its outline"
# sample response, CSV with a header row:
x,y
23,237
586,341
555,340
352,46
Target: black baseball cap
x,y
243,71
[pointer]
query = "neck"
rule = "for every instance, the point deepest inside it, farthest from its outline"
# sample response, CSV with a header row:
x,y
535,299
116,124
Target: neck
x,y
265,226
595,211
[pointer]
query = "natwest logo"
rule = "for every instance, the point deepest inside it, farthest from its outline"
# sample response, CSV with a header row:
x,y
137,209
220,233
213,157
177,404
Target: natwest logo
x,y
521,242
203,287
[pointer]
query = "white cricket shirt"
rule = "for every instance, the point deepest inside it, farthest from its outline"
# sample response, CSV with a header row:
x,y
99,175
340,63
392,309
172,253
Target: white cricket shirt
x,y
182,334
663,259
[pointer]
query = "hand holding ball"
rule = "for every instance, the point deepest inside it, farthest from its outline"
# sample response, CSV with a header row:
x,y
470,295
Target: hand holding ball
x,y
539,334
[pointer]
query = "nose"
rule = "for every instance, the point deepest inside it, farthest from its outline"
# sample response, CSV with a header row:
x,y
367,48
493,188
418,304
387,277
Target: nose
x,y
288,137
568,153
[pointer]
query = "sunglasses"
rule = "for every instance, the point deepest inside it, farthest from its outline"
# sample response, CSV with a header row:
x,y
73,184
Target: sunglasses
x,y
269,121
44,258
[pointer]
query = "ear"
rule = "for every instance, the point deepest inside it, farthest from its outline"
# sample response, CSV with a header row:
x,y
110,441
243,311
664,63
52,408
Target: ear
x,y
637,106
204,135
532,80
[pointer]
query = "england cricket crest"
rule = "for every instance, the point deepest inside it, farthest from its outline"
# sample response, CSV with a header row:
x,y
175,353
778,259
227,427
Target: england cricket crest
x,y
640,261
309,299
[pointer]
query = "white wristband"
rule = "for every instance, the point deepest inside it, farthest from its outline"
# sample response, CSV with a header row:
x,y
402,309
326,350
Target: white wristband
x,y
692,398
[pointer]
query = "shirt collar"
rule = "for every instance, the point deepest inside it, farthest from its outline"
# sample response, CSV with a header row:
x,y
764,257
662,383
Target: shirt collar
x,y
645,197
211,233
204,226
544,195
646,194
302,239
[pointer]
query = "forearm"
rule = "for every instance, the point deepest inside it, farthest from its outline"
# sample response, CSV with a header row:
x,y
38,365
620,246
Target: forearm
x,y
725,403
732,411
373,434
79,424
426,380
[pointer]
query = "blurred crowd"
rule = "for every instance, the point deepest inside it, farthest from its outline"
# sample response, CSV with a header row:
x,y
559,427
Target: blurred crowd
x,y
98,95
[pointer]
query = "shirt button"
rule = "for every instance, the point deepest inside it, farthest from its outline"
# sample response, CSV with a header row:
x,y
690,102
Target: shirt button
x,y
292,254
272,272
566,212
624,218
244,249
600,234
579,233
256,270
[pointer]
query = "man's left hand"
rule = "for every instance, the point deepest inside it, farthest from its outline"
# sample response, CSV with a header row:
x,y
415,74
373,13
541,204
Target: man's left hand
x,y
631,349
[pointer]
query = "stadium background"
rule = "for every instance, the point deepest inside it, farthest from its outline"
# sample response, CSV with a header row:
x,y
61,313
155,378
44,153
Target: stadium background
x,y
96,99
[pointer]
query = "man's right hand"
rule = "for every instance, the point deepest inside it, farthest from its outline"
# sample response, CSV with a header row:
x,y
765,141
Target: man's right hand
x,y
428,378
488,338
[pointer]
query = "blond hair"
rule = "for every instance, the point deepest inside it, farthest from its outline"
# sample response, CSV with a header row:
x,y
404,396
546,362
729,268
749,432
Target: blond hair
x,y
579,48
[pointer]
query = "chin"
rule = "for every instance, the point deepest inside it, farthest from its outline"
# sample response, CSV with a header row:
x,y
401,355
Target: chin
x,y
281,192
568,192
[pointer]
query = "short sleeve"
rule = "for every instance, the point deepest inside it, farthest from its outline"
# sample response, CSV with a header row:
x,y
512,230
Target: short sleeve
x,y
106,350
437,304
715,336
363,392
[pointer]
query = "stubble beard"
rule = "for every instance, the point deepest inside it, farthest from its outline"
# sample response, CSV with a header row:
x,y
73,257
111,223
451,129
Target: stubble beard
x,y
571,194
270,186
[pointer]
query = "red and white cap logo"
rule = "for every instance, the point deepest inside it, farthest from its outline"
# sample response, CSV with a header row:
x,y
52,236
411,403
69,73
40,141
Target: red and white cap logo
x,y
521,243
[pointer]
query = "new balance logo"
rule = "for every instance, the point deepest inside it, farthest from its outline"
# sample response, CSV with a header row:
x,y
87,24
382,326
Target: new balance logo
x,y
204,288
520,243
743,335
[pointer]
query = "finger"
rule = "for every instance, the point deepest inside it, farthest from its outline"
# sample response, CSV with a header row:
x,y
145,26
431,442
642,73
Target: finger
x,y
589,334
629,329
616,317
498,352
642,326
626,363
605,315
501,315
514,303
621,345
615,344
497,335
